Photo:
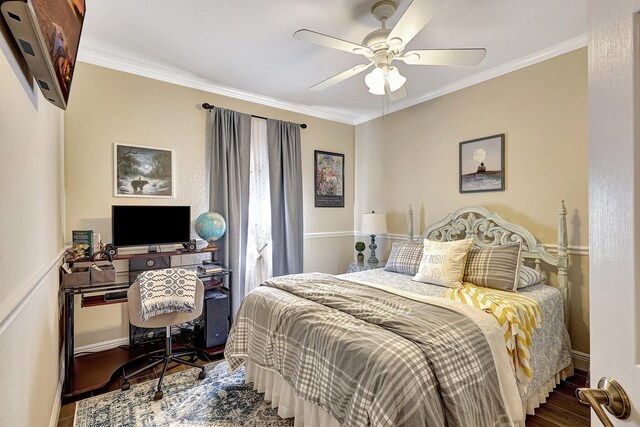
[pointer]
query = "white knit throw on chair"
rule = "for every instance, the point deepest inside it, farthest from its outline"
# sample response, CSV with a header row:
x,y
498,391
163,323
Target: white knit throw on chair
x,y
167,291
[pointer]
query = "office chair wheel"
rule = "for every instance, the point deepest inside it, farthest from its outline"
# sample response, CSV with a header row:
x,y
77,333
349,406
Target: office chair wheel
x,y
125,386
157,395
201,375
193,358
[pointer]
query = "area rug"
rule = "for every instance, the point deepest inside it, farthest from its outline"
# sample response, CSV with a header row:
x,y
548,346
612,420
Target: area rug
x,y
221,399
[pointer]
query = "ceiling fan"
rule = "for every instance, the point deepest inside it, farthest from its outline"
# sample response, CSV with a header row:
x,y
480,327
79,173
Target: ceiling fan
x,y
381,47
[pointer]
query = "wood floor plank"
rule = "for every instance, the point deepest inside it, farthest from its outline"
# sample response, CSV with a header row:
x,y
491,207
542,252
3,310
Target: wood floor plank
x,y
568,403
538,422
560,417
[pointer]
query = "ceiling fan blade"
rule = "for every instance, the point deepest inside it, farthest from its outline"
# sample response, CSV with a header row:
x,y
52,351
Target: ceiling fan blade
x,y
331,42
342,76
413,20
444,56
398,94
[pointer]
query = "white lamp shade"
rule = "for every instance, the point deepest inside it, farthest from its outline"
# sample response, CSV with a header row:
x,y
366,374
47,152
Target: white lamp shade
x,y
374,223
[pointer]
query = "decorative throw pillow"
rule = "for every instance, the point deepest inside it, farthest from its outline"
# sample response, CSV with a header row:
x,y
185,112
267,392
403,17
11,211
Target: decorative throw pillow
x,y
443,263
494,266
527,276
405,257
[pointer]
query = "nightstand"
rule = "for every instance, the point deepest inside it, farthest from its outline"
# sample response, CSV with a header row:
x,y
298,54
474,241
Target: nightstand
x,y
354,267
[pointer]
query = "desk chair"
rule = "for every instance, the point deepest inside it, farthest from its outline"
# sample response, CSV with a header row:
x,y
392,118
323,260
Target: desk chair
x,y
163,321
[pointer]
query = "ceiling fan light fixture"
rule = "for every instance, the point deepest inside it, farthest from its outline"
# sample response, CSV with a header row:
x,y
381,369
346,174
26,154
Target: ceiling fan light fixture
x,y
375,81
396,80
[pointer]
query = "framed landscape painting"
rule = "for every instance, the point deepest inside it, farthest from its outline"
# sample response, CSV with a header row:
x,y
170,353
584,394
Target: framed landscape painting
x,y
329,179
143,171
482,164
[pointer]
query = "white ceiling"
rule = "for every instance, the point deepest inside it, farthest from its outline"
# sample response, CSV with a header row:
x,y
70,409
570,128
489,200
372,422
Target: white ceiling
x,y
245,48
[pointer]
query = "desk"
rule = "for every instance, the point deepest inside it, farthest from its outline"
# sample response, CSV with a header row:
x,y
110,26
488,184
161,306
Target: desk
x,y
116,358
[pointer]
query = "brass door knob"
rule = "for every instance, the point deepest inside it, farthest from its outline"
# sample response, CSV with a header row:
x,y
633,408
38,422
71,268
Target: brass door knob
x,y
609,394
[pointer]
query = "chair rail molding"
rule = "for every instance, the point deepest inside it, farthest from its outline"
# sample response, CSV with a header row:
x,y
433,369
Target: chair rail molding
x,y
11,308
551,247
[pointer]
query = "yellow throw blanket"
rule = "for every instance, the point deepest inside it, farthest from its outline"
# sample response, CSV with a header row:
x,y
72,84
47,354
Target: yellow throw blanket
x,y
518,317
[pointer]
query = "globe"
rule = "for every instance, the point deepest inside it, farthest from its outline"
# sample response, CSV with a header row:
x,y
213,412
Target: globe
x,y
210,226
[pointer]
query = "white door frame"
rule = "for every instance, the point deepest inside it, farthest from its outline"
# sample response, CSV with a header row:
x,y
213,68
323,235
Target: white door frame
x,y
614,210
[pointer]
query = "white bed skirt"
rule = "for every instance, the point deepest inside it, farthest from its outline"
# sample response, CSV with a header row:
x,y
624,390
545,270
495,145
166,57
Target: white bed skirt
x,y
281,395
539,396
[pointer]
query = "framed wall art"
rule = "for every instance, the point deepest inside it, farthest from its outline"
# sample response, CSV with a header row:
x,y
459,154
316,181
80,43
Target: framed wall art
x,y
143,171
482,164
329,179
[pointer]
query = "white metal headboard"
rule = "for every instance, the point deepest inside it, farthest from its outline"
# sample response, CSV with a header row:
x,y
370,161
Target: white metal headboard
x,y
490,229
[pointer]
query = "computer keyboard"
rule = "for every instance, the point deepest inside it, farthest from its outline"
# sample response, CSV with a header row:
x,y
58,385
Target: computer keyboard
x,y
111,296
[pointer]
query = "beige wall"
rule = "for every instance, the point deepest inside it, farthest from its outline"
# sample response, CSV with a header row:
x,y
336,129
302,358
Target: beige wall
x,y
411,157
110,106
31,241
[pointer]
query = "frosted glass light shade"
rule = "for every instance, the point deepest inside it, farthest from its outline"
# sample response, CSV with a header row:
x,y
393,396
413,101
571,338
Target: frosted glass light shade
x,y
374,223
375,81
396,80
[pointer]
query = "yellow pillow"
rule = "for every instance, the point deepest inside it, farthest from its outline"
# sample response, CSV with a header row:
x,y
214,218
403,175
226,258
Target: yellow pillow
x,y
443,263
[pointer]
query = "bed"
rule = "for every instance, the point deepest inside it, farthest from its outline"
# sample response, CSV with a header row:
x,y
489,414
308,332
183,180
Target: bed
x,y
376,347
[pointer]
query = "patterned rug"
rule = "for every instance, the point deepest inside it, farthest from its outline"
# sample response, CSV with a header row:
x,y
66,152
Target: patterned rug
x,y
221,399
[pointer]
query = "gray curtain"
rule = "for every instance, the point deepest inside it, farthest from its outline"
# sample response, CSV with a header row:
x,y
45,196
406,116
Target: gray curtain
x,y
285,175
228,148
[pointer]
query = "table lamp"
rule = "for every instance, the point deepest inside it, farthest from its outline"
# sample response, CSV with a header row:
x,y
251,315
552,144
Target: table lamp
x,y
373,224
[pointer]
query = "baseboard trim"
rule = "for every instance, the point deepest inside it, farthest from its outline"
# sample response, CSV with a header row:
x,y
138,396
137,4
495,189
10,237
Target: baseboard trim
x,y
102,346
57,403
12,308
582,357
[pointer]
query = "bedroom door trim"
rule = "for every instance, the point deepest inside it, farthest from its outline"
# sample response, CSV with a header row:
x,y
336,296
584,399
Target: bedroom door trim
x,y
614,200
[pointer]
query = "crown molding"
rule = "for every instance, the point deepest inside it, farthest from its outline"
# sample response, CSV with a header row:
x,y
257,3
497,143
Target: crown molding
x,y
153,71
534,58
94,56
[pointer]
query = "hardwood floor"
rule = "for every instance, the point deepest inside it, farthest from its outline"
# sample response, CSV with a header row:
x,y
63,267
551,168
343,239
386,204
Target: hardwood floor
x,y
562,408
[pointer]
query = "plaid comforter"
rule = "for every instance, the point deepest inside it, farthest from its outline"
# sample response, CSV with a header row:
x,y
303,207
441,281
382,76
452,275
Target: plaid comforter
x,y
367,356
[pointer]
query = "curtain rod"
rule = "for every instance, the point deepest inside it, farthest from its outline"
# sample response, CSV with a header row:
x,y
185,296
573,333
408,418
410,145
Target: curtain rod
x,y
208,106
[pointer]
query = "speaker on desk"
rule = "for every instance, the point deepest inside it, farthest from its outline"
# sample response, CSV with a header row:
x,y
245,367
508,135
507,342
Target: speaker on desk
x,y
190,245
111,250
216,318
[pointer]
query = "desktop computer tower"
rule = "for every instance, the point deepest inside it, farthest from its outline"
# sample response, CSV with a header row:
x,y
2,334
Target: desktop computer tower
x,y
214,327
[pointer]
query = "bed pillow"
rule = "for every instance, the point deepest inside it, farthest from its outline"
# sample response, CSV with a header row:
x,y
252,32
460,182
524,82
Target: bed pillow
x,y
494,267
405,257
527,276
442,263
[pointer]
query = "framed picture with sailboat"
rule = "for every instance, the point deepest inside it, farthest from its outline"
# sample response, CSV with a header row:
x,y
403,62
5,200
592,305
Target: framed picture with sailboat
x,y
482,164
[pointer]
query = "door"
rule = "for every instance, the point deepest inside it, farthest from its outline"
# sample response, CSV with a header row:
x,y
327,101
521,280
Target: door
x,y
614,199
